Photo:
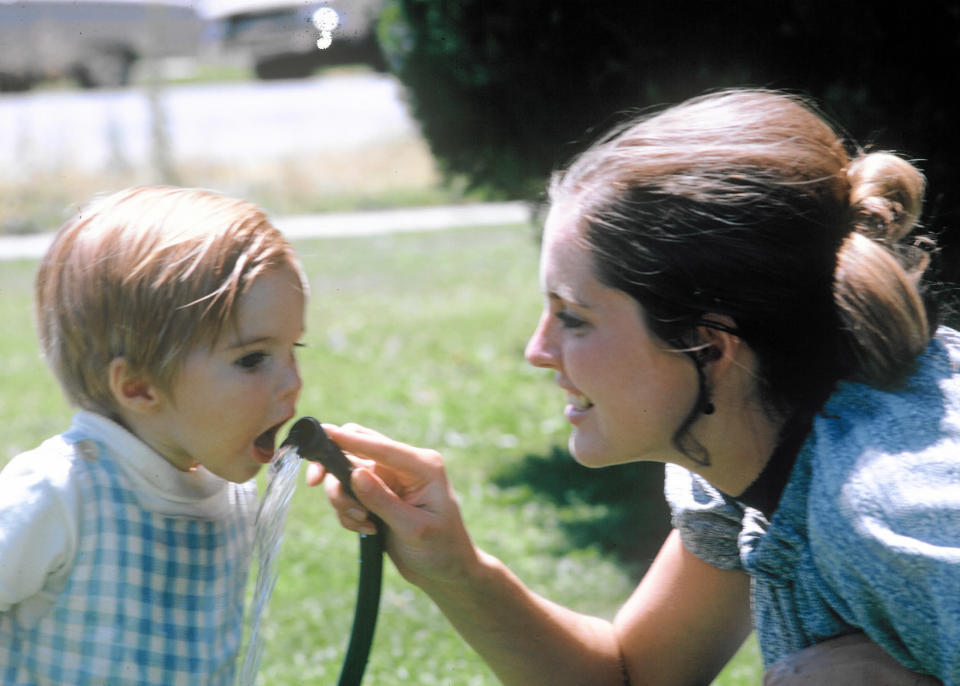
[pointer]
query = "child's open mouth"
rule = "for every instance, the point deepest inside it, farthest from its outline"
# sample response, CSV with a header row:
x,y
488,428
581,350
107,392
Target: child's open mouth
x,y
265,444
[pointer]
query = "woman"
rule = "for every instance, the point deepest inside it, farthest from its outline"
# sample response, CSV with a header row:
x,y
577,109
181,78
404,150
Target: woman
x,y
728,289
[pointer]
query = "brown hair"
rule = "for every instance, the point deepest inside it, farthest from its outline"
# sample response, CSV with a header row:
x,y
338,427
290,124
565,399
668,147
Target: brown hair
x,y
748,203
147,274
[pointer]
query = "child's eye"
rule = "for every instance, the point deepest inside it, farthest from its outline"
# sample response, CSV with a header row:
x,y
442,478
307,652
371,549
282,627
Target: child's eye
x,y
569,320
251,361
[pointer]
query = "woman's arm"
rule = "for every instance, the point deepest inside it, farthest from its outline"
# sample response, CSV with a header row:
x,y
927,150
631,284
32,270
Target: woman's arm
x,y
686,619
680,626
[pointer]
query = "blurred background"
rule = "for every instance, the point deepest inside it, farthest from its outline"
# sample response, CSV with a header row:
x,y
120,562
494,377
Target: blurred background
x,y
224,94
337,104
309,106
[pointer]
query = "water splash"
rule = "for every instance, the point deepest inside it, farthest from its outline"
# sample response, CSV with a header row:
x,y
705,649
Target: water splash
x,y
270,522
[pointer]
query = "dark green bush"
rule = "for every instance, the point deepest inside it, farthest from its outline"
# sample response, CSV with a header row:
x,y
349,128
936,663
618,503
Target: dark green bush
x,y
507,90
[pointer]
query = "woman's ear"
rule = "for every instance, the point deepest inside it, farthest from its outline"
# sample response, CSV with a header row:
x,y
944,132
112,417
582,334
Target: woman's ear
x,y
721,344
132,392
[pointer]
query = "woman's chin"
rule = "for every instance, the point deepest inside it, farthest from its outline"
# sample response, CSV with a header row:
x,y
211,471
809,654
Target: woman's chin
x,y
595,454
586,452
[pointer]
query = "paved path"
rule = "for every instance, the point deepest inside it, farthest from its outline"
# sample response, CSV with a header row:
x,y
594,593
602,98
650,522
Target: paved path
x,y
340,224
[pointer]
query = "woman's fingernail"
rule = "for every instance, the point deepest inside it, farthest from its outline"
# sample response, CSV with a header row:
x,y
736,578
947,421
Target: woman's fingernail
x,y
356,514
362,483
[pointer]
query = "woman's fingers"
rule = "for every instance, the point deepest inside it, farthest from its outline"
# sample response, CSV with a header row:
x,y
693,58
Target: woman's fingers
x,y
353,427
352,515
401,484
315,473
407,488
399,514
398,456
377,498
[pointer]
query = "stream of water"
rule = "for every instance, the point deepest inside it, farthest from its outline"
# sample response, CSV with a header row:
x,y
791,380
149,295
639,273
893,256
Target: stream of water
x,y
270,523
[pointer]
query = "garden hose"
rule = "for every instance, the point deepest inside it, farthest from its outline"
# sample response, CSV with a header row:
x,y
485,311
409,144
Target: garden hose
x,y
313,444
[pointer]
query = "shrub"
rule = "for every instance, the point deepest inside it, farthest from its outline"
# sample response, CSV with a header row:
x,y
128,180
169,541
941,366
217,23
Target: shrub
x,y
506,91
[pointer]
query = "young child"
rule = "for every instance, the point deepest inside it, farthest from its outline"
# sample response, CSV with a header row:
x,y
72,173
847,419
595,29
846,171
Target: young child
x,y
170,317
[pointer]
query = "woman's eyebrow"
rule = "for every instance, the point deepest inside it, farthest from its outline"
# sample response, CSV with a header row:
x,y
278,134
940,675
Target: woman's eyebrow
x,y
568,298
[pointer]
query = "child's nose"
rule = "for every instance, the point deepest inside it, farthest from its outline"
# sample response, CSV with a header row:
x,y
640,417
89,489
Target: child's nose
x,y
292,382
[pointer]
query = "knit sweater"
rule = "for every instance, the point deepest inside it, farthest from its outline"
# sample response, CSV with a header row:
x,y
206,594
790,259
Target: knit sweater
x,y
866,536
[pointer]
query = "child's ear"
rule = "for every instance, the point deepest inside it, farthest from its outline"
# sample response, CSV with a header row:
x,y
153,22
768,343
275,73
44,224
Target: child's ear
x,y
131,391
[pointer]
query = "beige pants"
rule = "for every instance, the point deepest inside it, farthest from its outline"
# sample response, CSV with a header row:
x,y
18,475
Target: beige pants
x,y
852,660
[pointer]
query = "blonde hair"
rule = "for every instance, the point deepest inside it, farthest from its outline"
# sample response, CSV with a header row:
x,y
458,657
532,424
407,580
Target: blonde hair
x,y
749,203
147,274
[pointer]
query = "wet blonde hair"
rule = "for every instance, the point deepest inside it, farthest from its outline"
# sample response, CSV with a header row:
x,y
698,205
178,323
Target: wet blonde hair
x,y
748,203
147,274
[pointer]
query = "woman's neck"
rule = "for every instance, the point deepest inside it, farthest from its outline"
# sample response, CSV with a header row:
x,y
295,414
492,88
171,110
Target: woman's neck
x,y
740,445
764,493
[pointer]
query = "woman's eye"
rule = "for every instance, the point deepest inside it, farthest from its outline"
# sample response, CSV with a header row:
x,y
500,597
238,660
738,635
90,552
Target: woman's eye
x,y
569,321
251,360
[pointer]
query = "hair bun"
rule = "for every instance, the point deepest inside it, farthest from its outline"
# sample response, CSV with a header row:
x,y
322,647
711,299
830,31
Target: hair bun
x,y
886,196
877,279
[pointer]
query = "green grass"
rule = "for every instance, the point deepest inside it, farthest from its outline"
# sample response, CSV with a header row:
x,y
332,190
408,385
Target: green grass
x,y
419,336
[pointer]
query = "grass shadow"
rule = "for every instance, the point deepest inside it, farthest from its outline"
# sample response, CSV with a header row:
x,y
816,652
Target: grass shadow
x,y
626,515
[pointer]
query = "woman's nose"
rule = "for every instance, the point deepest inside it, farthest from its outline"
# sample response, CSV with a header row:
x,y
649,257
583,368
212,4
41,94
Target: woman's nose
x,y
541,350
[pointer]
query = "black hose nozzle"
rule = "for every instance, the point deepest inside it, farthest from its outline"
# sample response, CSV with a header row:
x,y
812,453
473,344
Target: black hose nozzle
x,y
313,444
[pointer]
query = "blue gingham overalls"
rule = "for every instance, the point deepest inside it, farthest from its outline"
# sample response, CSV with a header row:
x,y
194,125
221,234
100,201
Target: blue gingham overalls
x,y
150,599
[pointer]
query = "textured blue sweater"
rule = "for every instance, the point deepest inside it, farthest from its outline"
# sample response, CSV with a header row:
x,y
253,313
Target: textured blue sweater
x,y
866,536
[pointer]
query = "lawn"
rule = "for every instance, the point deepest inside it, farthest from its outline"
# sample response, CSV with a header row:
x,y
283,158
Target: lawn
x,y
420,336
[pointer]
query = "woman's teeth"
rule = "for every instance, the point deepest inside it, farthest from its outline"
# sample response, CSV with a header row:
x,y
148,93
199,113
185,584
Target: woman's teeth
x,y
579,402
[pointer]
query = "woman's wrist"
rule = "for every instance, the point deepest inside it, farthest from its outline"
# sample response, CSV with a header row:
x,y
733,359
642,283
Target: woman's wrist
x,y
472,581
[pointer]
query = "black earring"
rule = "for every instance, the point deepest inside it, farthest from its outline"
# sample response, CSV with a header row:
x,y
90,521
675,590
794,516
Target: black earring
x,y
700,357
709,354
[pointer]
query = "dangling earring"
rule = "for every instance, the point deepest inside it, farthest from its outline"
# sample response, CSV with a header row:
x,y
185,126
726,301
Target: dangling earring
x,y
700,358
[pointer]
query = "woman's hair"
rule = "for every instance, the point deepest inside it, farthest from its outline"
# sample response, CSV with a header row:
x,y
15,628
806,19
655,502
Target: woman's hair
x,y
747,203
147,274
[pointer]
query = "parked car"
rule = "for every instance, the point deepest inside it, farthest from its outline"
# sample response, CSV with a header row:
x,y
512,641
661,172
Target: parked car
x,y
288,39
97,42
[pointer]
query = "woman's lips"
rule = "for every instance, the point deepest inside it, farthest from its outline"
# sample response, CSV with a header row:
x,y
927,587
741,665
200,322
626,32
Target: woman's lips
x,y
577,406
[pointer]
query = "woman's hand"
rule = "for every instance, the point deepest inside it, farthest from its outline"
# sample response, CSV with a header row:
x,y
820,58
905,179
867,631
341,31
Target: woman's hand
x,y
407,488
680,626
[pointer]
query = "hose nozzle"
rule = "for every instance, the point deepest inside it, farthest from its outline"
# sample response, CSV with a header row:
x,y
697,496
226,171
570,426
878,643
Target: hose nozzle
x,y
313,443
